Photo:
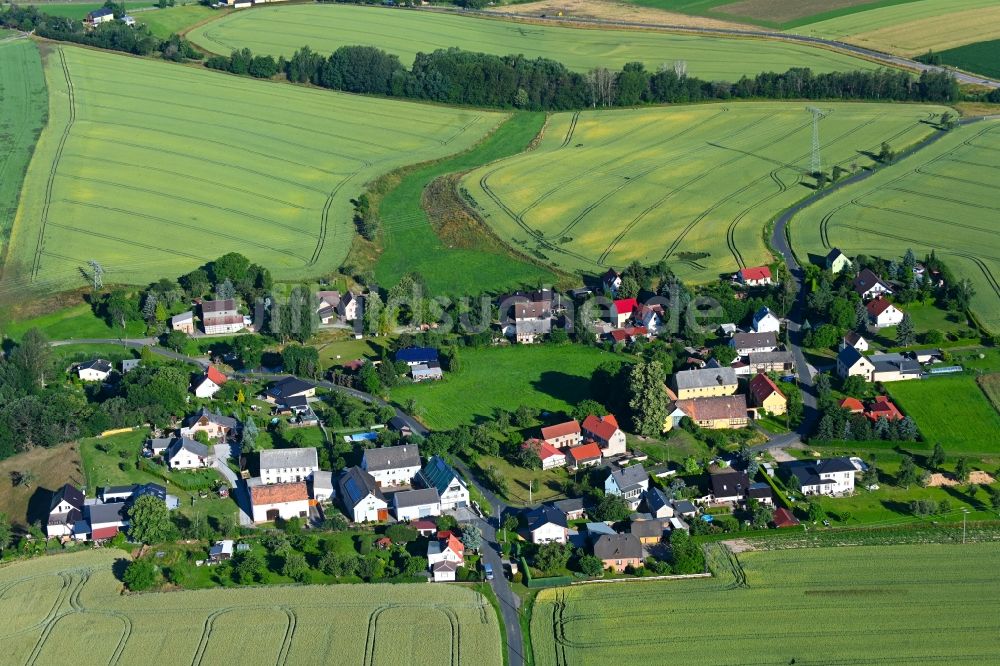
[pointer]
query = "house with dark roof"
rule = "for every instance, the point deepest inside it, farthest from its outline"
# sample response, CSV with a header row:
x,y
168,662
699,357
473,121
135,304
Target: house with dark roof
x,y
184,453
869,286
764,320
704,383
830,476
546,524
746,343
65,511
761,491
882,313
288,465
216,426
573,507
854,339
718,413
417,355
419,503
618,551
629,483
279,500
97,370
836,261
658,504
99,16
361,496
451,488
851,363
392,465
895,368
611,281
728,485
106,520
285,389
649,532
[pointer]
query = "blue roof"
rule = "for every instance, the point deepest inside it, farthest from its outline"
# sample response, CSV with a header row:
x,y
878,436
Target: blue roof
x,y
437,474
417,354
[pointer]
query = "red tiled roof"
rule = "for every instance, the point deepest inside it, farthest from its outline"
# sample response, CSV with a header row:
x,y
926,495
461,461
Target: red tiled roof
x,y
878,306
882,406
216,376
784,518
853,405
588,451
625,305
104,533
546,451
561,430
601,427
453,544
715,408
756,273
279,493
762,386
421,524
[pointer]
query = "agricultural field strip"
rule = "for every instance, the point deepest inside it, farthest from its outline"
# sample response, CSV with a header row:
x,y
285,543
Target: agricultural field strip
x,y
574,183
926,178
364,153
282,30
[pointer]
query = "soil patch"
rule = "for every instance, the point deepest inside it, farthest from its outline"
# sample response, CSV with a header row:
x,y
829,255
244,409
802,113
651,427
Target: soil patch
x,y
977,477
738,546
614,11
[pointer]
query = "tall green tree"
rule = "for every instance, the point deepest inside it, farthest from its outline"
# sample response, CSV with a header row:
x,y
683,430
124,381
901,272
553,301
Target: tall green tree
x,y
149,520
906,335
937,456
6,533
647,397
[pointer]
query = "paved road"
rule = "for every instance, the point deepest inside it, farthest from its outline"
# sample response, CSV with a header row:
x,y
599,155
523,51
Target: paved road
x,y
878,56
239,488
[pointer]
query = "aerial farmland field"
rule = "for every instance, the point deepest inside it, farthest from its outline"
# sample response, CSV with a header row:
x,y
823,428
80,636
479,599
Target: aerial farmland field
x,y
965,424
981,57
914,27
153,169
848,605
71,604
943,198
282,30
693,185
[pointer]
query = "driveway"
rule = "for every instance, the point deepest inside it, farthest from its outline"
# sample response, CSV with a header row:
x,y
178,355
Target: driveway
x,y
239,488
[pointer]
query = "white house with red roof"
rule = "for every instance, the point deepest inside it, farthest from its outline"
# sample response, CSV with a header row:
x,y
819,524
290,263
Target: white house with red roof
x,y
279,500
605,432
755,276
882,313
209,384
562,435
649,316
621,311
447,549
585,455
550,456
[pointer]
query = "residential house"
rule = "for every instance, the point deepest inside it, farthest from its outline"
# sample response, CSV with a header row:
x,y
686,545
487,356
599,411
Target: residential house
x,y
882,313
830,476
288,465
765,395
361,496
649,317
184,453
531,321
755,276
605,431
869,286
158,445
658,505
322,486
99,16
572,508
351,307
279,500
851,363
765,321
596,530
585,455
290,387
894,368
445,549
761,491
97,370
129,493
326,306
784,518
718,413
611,281
621,311
747,343
216,426
400,425
852,405
927,355
776,361
563,435
444,571
854,339
424,372
106,520
684,508
550,456
547,524
420,503
649,532
184,322
728,485
881,407
618,551
65,511
425,528
629,483
628,335
221,317
130,364
704,383
451,488
728,329
412,356
392,465
837,261
209,384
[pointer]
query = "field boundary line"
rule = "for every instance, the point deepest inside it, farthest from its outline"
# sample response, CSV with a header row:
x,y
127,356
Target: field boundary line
x,y
640,580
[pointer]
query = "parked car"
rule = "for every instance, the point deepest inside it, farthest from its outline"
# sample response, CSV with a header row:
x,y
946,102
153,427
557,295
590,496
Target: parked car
x,y
488,569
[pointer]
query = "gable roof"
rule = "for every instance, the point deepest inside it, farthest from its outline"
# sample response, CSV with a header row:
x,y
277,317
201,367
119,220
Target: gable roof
x,y
438,474
610,275
99,13
453,544
745,340
417,354
704,378
190,445
866,280
833,254
715,408
647,528
225,421
853,338
545,450
70,494
618,547
763,312
852,405
98,364
625,305
286,458
763,386
407,498
221,305
756,273
849,356
544,515
391,457
215,376
356,484
784,518
289,386
728,482
322,479
601,427
570,504
584,452
112,512
808,471
631,477
561,429
882,406
656,499
878,306
279,493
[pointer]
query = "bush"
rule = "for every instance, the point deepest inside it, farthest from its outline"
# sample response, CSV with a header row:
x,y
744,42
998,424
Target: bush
x,y
140,575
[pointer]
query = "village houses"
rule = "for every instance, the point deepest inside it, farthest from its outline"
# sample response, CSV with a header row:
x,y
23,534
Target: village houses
x,y
361,496
452,491
605,431
221,317
287,465
392,466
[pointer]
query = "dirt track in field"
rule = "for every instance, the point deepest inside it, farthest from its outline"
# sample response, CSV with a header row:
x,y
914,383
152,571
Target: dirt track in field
x,y
615,11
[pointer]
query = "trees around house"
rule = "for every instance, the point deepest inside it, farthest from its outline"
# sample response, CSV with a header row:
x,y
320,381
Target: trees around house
x,y
149,520
472,536
591,565
295,566
908,473
612,508
551,557
905,332
249,567
647,399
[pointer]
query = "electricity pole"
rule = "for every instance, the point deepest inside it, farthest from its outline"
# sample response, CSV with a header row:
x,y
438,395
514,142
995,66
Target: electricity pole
x,y
97,273
817,114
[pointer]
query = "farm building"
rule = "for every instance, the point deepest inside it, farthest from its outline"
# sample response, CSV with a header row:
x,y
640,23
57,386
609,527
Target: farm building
x,y
423,372
221,317
716,413
585,455
106,520
221,551
97,370
361,496
562,435
183,322
894,368
288,465
749,343
754,277
774,361
706,382
648,532
280,500
451,488
322,486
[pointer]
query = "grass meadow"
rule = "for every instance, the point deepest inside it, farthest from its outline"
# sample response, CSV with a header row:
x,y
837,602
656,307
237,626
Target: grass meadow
x,y
71,604
942,198
282,30
79,10
694,185
154,169
981,57
166,22
951,410
912,28
547,377
771,13
991,387
23,111
849,605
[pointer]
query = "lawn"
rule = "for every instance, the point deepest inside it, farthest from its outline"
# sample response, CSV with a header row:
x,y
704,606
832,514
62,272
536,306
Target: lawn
x,y
859,603
548,481
78,10
166,22
295,624
913,28
153,169
51,468
981,57
282,30
951,410
694,185
23,104
76,322
940,199
547,377
677,446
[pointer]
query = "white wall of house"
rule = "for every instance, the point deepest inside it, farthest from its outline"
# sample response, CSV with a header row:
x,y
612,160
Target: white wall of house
x,y
285,510
92,375
184,459
444,576
367,509
549,533
889,317
218,329
213,430
457,495
614,446
286,474
767,324
843,483
554,461
206,389
397,476
418,511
